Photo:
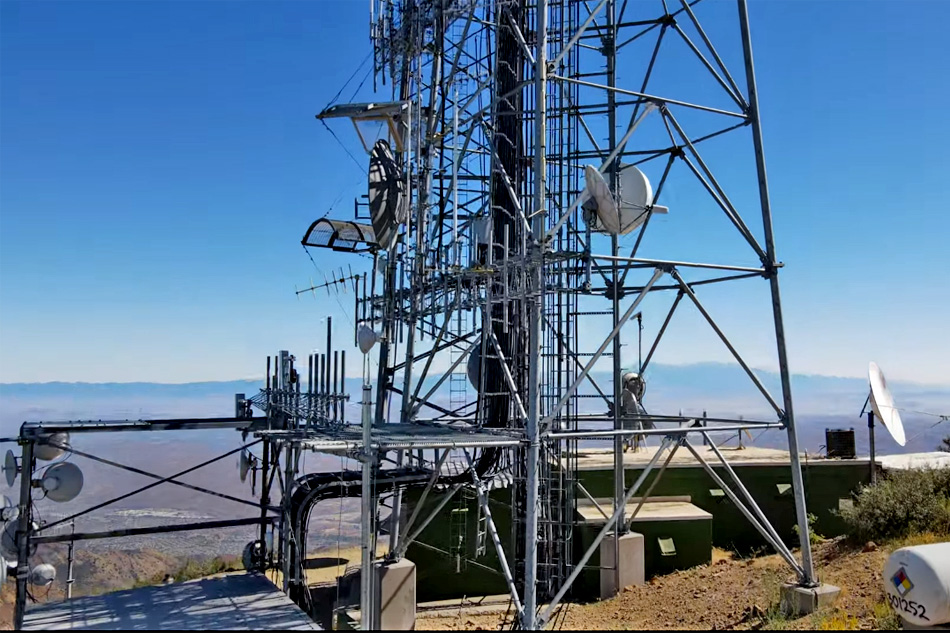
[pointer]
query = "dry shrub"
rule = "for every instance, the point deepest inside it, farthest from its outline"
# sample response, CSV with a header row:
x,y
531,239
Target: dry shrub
x,y
904,503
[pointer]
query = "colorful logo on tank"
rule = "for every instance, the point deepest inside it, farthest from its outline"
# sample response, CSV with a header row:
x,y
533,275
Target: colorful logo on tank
x,y
902,582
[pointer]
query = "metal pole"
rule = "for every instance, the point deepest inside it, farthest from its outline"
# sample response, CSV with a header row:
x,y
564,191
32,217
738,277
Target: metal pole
x,y
532,427
343,398
619,483
336,377
23,534
265,503
871,441
69,564
367,552
798,483
287,526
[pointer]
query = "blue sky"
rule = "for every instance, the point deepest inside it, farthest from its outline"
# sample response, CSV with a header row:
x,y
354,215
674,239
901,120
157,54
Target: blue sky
x,y
160,161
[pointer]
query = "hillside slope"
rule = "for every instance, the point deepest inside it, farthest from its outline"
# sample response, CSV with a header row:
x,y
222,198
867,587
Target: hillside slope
x,y
731,594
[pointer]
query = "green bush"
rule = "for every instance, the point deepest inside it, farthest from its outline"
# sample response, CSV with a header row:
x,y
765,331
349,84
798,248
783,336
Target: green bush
x,y
903,503
813,537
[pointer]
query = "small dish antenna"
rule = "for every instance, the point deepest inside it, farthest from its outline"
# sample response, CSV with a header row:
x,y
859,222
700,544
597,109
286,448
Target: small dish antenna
x,y
254,556
244,465
882,404
8,541
602,210
636,199
601,200
50,447
9,511
366,338
42,575
10,468
62,482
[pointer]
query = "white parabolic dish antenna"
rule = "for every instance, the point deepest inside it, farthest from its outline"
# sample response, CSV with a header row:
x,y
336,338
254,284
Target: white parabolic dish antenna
x,y
636,195
366,338
62,482
606,206
42,575
883,404
10,468
49,447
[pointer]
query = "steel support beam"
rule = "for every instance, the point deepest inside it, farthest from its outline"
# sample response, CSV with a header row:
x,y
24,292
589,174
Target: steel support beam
x,y
798,484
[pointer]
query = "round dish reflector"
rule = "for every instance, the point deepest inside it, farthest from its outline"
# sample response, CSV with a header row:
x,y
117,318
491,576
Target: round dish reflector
x,y
10,468
605,205
366,338
883,404
49,447
42,575
62,482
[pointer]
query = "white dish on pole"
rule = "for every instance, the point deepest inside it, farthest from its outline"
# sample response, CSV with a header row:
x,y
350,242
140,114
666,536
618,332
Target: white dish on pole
x,y
882,402
636,198
604,204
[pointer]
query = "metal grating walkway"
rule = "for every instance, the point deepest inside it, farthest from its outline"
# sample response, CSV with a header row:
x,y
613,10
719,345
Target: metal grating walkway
x,y
240,602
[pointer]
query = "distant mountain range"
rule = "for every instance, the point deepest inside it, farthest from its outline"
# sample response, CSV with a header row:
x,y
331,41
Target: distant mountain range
x,y
720,389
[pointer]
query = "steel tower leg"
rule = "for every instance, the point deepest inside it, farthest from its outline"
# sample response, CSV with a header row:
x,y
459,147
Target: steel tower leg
x,y
535,300
619,487
366,517
798,485
23,534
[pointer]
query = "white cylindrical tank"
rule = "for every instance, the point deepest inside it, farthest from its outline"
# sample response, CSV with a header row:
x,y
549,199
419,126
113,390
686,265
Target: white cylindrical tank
x,y
917,583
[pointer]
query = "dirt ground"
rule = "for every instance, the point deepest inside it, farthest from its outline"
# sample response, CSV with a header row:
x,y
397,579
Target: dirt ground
x,y
731,593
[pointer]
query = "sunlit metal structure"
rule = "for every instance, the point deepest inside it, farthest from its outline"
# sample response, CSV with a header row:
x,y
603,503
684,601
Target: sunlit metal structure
x,y
503,255
499,291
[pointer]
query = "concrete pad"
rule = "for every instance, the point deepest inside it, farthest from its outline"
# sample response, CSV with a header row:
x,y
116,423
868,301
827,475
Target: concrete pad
x,y
632,564
798,601
396,588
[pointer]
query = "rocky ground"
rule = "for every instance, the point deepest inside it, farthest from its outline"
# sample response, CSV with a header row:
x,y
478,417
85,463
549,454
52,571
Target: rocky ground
x,y
732,593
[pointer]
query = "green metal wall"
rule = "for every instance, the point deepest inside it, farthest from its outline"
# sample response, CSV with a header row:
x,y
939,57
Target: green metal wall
x,y
825,482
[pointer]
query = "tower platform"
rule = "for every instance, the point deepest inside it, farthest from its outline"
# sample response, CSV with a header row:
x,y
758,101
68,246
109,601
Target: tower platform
x,y
235,602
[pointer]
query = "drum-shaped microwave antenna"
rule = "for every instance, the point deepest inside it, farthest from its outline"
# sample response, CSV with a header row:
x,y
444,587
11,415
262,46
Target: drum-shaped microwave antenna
x,y
62,482
42,575
366,338
49,447
883,404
